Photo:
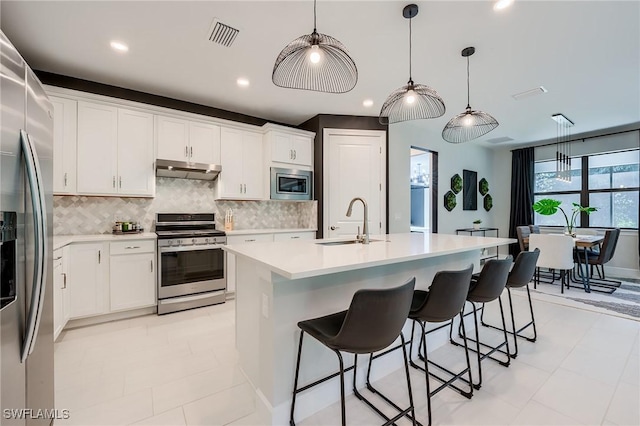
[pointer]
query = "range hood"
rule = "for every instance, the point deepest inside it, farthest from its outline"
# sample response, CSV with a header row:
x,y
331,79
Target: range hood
x,y
184,170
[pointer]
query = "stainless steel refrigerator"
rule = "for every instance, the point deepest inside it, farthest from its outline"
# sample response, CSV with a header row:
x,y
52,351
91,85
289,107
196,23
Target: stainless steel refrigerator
x,y
26,205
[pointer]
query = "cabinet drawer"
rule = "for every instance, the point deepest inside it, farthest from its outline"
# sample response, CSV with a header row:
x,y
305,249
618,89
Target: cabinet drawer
x,y
288,236
132,246
249,238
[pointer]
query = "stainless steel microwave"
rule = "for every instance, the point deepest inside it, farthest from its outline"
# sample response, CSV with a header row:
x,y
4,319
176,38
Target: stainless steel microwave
x,y
290,184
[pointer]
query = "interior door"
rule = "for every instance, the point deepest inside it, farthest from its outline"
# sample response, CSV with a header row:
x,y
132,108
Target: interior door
x,y
354,166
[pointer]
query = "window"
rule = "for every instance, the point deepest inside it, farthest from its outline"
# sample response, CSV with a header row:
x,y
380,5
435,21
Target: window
x,y
608,181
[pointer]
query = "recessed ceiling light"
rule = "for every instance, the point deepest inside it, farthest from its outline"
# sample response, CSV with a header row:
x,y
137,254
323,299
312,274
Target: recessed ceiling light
x,y
119,46
242,82
502,4
367,103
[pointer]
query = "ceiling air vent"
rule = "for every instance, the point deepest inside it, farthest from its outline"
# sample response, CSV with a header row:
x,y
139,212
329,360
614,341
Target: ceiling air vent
x,y
221,33
529,93
500,139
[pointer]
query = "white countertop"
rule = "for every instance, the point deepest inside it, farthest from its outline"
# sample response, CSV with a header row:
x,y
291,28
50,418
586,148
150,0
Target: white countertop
x,y
305,258
60,241
268,231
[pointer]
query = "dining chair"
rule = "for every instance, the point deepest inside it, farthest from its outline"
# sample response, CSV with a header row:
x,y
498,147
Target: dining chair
x,y
535,229
599,257
556,254
523,232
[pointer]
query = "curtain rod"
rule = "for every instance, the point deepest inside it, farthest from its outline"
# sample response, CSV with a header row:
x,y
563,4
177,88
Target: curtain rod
x,y
583,139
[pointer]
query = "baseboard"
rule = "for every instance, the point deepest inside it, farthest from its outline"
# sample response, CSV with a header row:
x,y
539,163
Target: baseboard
x,y
83,322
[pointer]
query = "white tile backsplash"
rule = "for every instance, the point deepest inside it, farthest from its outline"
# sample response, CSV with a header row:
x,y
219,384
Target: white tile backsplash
x,y
81,215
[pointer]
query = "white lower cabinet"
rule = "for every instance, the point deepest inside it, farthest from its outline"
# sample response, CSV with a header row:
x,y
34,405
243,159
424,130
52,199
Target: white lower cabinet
x,y
105,277
61,307
88,279
288,236
132,281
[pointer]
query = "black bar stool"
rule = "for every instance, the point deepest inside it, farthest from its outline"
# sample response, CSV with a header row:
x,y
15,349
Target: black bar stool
x,y
487,288
521,275
373,322
442,302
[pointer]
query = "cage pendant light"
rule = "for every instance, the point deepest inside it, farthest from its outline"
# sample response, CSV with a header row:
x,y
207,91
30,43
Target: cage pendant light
x,y
413,101
315,62
469,124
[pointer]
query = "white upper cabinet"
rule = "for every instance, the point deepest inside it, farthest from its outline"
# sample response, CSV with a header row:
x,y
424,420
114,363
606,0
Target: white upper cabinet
x,y
115,151
97,148
242,175
204,143
172,138
289,146
64,145
191,141
136,170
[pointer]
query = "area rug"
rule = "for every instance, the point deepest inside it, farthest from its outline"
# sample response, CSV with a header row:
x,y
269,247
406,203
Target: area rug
x,y
624,302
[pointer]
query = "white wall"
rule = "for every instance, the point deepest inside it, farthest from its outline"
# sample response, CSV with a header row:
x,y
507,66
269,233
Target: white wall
x,y
452,159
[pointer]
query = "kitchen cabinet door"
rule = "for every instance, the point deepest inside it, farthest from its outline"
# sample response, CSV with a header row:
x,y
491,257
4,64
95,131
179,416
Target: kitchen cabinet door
x,y
230,181
136,172
132,281
172,138
97,148
58,297
87,279
252,166
65,124
281,150
204,143
302,148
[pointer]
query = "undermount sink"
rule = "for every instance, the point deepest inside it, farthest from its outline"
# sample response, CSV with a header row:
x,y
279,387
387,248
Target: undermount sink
x,y
343,242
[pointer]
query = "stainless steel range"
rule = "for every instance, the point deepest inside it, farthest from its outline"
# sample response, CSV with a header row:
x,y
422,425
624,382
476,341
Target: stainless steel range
x,y
191,261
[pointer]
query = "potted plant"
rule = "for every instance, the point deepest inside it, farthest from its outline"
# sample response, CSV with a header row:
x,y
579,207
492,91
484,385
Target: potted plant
x,y
549,206
476,224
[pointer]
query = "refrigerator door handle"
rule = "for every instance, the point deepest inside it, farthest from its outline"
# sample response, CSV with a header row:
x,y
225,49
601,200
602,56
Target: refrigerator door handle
x,y
34,177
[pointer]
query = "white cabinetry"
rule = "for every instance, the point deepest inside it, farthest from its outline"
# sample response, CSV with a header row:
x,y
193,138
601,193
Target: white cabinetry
x,y
65,116
242,174
60,293
88,279
231,258
115,151
288,236
132,277
97,148
191,141
289,147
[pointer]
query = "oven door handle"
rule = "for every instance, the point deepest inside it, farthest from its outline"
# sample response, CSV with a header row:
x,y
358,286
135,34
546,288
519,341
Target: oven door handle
x,y
191,248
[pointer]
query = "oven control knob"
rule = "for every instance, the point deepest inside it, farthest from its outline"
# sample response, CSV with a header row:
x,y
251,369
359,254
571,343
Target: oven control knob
x,y
169,243
179,242
206,241
193,240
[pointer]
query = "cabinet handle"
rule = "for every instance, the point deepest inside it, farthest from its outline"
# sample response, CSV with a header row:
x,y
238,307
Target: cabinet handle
x,y
245,188
57,258
114,182
99,256
249,241
65,179
151,263
120,181
131,247
294,238
191,152
241,188
64,280
295,154
290,154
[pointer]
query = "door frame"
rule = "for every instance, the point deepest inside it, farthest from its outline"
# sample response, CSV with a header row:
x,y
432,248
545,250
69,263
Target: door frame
x,y
326,145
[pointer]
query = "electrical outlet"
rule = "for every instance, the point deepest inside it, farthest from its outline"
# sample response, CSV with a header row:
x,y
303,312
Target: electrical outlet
x,y
265,306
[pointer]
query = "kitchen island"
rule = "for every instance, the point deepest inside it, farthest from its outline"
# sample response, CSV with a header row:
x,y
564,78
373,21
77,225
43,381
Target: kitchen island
x,y
281,283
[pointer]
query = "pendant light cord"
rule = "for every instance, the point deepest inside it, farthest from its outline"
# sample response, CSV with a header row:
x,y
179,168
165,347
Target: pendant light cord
x,y
410,38
314,16
468,102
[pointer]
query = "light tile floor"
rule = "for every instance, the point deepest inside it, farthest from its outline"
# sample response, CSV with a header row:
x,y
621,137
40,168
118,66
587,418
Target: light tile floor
x,y
181,369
